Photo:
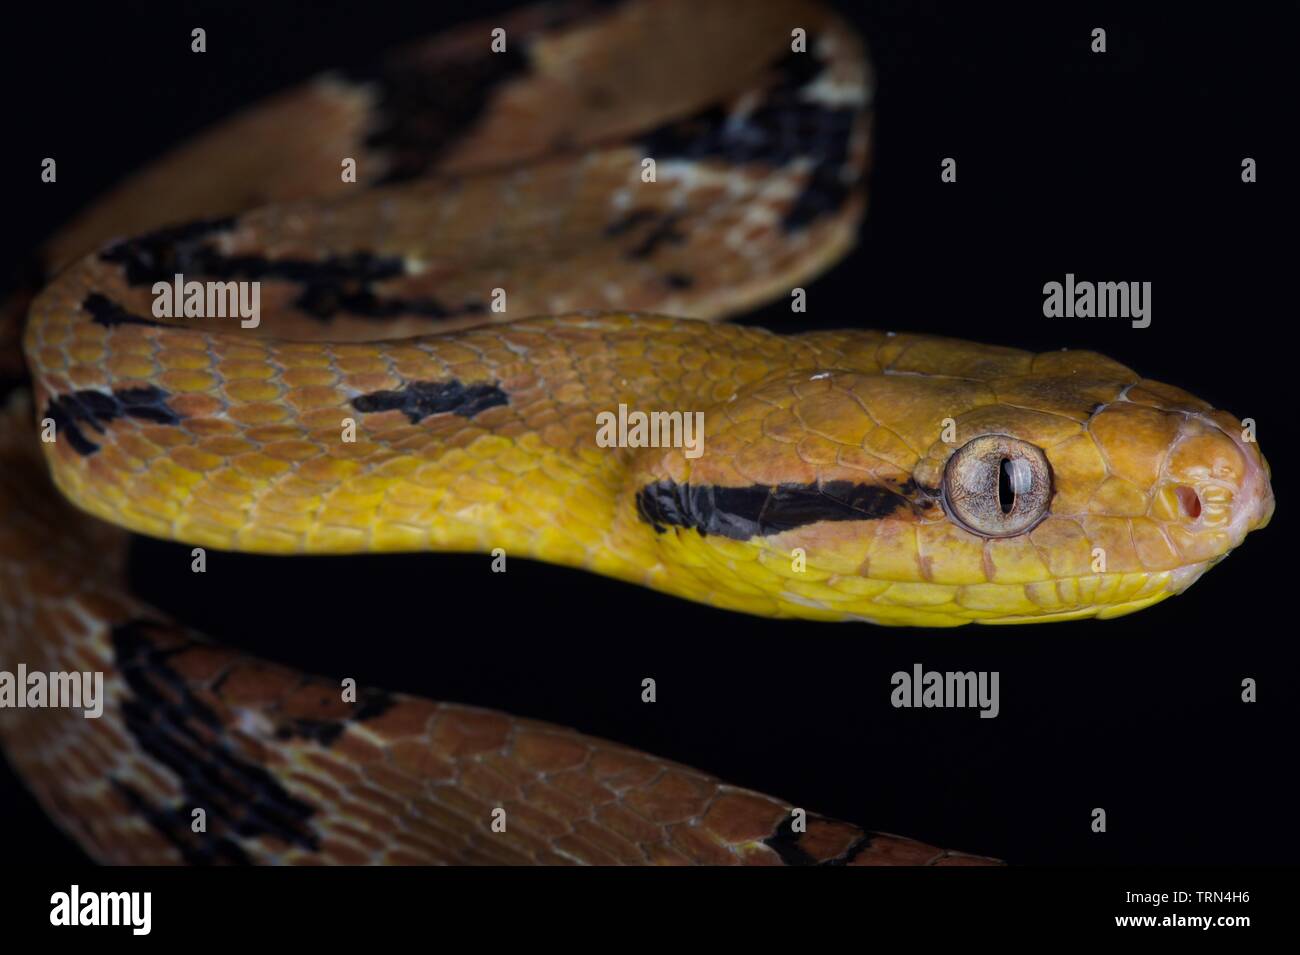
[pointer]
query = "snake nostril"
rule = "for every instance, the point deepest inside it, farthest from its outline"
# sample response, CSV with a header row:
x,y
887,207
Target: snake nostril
x,y
1188,500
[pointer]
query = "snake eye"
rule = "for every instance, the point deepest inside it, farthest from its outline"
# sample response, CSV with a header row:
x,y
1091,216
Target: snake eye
x,y
997,486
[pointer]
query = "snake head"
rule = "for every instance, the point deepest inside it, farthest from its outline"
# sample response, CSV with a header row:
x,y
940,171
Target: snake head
x,y
950,483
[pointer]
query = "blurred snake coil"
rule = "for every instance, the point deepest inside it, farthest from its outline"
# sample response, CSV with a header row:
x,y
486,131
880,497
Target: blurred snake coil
x,y
925,481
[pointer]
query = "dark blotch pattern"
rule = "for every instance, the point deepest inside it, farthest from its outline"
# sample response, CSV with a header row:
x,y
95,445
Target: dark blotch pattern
x,y
785,842
784,128
97,409
370,703
242,800
104,311
419,399
330,286
629,221
660,228
760,510
422,108
664,231
157,256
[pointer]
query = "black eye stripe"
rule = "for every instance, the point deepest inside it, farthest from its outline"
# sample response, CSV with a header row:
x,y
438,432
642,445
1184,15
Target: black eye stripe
x,y
761,510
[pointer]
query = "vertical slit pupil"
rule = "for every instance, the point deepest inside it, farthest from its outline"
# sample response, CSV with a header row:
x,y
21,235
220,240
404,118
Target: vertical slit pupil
x,y
1006,489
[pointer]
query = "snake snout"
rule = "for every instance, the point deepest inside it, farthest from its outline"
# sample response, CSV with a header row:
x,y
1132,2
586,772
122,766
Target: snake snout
x,y
1216,487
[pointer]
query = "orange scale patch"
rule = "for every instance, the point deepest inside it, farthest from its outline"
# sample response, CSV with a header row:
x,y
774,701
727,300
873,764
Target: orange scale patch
x,y
578,784
368,382
697,845
86,376
308,377
254,683
196,460
418,371
774,465
743,817
246,370
354,451
315,396
325,419
674,797
137,446
818,451
607,841
464,732
417,758
184,359
453,353
519,382
196,405
57,326
292,450
226,447
549,752
272,433
116,460
340,772
327,470
383,422
312,701
87,352
408,440
1134,440
51,359
188,381
399,352
256,414
252,391
545,798
259,466
228,480
473,373
488,785
207,427
130,366
128,343
242,350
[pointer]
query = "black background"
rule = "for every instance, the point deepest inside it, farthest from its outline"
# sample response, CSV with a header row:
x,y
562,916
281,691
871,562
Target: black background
x,y
1121,166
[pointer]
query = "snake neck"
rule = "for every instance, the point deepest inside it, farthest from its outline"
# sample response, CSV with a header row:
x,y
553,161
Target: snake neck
x,y
525,437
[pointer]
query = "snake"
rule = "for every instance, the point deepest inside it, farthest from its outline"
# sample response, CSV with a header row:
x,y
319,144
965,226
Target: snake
x,y
549,216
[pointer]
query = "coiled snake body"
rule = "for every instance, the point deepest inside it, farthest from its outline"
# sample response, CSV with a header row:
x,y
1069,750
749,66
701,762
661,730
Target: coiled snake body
x,y
854,475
